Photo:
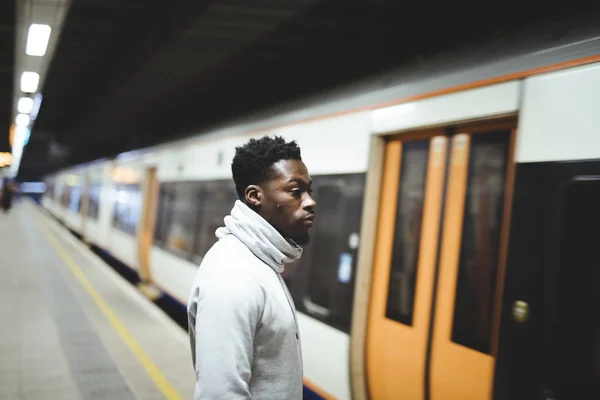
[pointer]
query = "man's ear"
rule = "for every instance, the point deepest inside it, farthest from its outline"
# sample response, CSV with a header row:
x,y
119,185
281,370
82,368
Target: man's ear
x,y
253,195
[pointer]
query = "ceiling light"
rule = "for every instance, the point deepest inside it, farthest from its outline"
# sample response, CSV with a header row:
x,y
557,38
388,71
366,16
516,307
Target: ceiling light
x,y
37,39
20,137
25,105
29,81
22,120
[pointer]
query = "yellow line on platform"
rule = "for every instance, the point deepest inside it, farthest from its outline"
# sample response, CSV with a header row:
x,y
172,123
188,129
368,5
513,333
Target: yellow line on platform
x,y
157,376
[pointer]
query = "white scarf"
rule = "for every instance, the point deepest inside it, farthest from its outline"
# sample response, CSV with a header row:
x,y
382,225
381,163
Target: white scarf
x,y
260,237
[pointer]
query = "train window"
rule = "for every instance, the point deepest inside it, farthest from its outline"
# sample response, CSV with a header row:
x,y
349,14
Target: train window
x,y
64,196
219,198
409,214
165,198
322,281
94,199
478,263
323,270
128,207
49,190
183,208
75,198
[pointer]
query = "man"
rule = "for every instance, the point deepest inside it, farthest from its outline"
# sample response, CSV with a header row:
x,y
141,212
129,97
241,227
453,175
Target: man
x,y
242,323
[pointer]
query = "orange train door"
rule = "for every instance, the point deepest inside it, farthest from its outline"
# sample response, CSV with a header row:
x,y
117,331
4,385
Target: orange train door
x,y
439,265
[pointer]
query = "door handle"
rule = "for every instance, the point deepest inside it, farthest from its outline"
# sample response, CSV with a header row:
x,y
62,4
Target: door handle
x,y
520,311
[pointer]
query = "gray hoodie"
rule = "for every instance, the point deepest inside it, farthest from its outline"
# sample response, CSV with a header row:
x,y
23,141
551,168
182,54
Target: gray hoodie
x,y
242,322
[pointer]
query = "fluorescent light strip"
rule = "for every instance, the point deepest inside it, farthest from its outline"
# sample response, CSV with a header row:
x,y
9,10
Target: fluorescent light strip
x,y
22,120
29,81
25,105
37,39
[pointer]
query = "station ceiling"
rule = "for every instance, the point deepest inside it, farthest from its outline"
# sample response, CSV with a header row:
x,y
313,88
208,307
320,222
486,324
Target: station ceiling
x,y
129,74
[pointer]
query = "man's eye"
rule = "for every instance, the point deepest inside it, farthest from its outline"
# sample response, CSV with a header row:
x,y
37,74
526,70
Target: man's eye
x,y
296,192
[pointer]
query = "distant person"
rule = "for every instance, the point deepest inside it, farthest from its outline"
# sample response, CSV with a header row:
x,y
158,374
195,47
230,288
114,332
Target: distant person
x,y
242,320
7,195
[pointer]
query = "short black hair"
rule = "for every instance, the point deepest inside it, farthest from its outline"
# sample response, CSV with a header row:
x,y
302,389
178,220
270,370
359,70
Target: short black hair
x,y
252,162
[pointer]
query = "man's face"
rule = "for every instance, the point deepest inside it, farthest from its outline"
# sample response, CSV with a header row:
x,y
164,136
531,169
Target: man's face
x,y
286,201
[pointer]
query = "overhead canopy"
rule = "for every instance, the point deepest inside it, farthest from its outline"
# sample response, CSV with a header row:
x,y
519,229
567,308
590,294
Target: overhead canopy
x,y
128,74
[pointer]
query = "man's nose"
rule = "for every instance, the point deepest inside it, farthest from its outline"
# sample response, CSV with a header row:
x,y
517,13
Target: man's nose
x,y
309,202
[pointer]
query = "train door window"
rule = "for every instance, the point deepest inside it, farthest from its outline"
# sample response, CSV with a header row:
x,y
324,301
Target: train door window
x,y
409,214
128,207
479,253
179,233
576,341
325,260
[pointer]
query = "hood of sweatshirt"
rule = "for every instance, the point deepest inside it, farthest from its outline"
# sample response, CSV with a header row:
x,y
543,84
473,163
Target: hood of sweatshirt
x,y
260,237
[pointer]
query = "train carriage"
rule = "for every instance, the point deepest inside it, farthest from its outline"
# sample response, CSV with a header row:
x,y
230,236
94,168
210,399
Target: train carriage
x,y
454,253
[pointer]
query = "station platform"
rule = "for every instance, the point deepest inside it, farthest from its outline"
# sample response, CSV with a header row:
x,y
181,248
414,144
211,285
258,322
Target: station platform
x,y
72,328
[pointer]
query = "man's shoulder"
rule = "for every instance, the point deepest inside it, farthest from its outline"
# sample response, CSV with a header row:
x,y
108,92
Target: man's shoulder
x,y
228,250
230,257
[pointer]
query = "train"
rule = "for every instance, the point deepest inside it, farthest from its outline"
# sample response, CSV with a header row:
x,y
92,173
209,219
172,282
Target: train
x,y
456,251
